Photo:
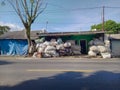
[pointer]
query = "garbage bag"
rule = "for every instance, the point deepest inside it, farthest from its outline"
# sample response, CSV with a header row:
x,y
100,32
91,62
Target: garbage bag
x,y
102,49
94,48
92,54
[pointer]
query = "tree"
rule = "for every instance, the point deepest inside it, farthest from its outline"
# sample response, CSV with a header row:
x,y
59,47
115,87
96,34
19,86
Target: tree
x,y
28,11
110,27
4,29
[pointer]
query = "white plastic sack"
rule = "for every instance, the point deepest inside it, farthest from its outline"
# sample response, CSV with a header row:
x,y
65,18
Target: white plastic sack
x,y
107,43
106,55
55,55
91,43
98,42
37,45
41,40
92,54
41,45
35,54
76,52
59,41
40,50
71,41
61,46
46,43
46,55
76,48
67,44
52,53
53,43
50,48
102,49
94,48
108,49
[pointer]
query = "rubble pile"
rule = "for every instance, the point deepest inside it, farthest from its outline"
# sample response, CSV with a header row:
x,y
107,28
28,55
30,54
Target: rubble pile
x,y
55,48
98,47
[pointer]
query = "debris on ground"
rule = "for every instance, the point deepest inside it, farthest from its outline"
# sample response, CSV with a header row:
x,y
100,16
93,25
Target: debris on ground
x,y
99,47
55,48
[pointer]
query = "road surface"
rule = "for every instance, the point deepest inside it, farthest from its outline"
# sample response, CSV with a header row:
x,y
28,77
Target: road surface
x,y
59,74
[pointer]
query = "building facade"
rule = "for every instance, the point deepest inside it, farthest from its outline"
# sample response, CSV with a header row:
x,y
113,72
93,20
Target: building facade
x,y
79,38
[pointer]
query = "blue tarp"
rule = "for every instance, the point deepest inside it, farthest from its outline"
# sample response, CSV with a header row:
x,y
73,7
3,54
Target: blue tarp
x,y
13,47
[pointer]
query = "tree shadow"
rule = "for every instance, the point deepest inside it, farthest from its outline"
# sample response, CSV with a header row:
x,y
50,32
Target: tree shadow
x,y
2,62
102,80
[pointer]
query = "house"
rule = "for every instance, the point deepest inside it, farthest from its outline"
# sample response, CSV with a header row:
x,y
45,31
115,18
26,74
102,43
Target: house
x,y
15,42
115,44
78,38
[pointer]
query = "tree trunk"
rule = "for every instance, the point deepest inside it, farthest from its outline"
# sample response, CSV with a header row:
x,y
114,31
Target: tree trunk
x,y
28,39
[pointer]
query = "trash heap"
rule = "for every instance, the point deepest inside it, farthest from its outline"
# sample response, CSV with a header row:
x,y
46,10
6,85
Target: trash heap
x,y
55,48
98,47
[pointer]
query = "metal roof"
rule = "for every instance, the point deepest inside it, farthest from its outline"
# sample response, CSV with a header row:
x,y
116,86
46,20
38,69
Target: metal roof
x,y
19,35
114,36
36,34
70,33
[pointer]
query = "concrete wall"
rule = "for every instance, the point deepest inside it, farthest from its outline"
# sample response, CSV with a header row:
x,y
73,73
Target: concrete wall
x,y
114,44
115,47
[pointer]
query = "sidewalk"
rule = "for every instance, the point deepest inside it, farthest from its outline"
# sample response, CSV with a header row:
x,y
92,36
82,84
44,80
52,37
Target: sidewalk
x,y
11,57
63,57
24,57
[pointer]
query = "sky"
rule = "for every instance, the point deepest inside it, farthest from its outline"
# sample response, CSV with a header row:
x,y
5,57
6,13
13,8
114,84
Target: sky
x,y
65,15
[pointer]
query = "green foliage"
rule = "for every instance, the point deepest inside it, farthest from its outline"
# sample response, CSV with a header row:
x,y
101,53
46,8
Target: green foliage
x,y
110,27
4,29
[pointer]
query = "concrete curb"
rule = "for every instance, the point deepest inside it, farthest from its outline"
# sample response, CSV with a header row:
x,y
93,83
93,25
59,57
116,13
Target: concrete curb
x,y
54,58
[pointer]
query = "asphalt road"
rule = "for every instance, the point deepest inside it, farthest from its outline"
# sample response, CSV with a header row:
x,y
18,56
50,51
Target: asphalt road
x,y
59,74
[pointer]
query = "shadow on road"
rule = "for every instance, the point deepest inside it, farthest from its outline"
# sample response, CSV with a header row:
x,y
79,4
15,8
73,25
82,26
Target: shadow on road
x,y
2,62
101,80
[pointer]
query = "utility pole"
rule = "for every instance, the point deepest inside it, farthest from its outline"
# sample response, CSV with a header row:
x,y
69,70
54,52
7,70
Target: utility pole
x,y
103,18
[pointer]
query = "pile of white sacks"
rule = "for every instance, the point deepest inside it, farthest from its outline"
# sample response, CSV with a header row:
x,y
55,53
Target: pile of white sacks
x,y
98,47
55,48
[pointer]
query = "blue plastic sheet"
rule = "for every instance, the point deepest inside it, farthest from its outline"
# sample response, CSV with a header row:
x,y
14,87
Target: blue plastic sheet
x,y
13,47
